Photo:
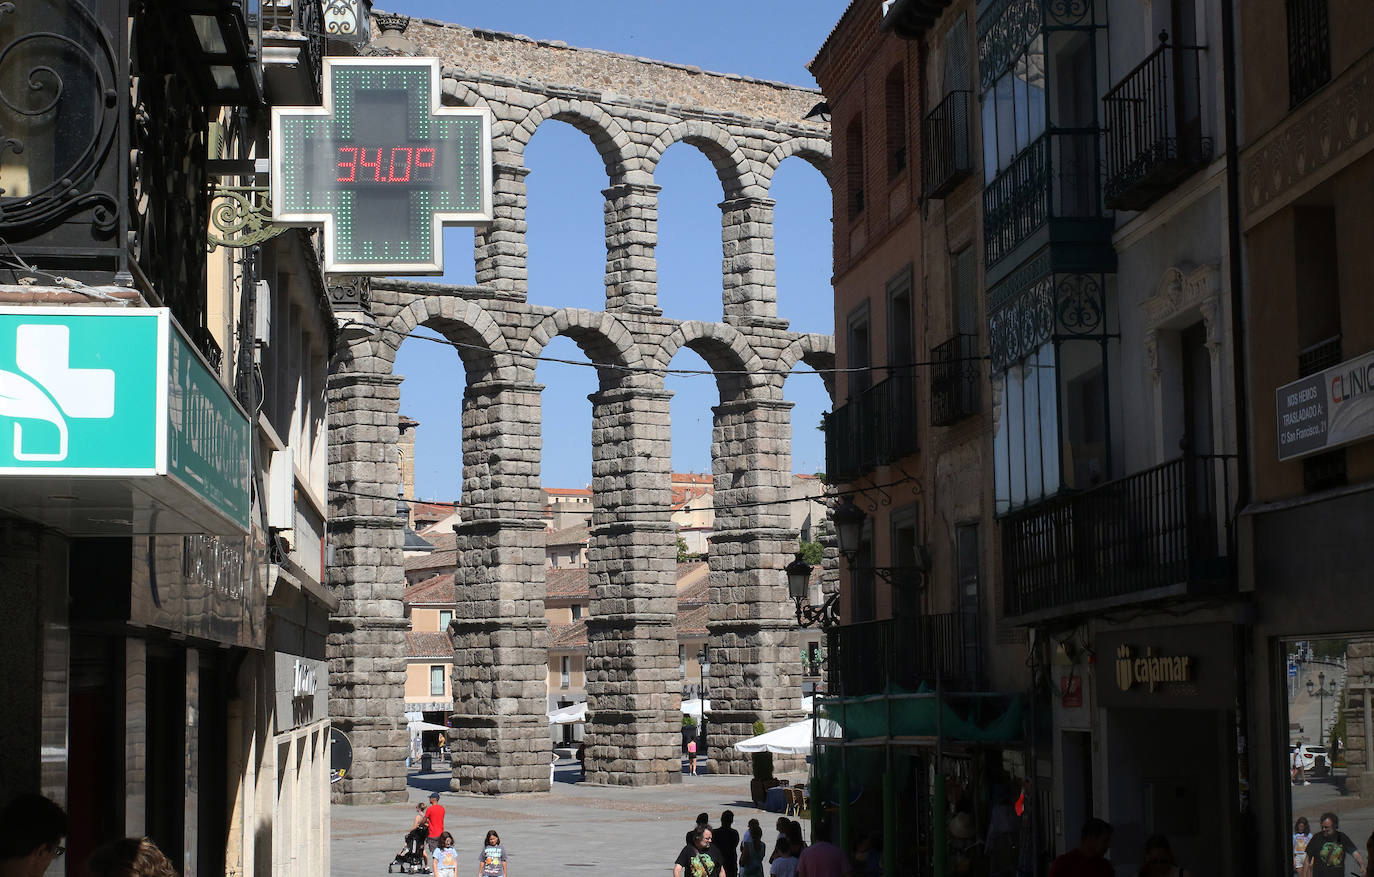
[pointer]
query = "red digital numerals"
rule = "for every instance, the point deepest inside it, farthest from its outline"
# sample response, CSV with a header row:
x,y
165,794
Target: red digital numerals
x,y
361,164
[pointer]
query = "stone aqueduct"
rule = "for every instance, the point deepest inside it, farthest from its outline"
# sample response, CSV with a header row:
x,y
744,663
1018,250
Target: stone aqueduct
x,y
632,109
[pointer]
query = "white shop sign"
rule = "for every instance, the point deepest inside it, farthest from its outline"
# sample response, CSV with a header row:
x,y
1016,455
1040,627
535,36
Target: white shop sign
x,y
1326,410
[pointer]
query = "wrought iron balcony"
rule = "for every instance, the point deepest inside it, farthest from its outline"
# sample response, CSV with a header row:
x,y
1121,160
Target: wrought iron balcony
x,y
946,158
1163,532
293,50
1154,127
874,430
955,382
1309,48
1055,178
868,657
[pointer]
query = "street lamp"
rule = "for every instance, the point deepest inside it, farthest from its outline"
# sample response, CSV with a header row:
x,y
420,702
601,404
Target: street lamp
x,y
1321,692
704,668
799,587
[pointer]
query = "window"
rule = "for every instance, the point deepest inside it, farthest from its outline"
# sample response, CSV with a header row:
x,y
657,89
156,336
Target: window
x,y
1026,441
445,619
963,292
901,324
1014,110
436,680
565,673
857,352
894,92
906,596
576,611
968,599
863,596
956,56
682,661
854,165
1309,48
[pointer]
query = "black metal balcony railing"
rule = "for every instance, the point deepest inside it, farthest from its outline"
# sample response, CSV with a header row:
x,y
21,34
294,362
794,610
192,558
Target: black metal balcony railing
x,y
866,658
301,17
1056,176
876,429
946,158
955,380
1154,127
1163,527
1309,48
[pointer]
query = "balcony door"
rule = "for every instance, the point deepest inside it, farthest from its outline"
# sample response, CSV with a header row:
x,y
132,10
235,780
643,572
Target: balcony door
x,y
906,596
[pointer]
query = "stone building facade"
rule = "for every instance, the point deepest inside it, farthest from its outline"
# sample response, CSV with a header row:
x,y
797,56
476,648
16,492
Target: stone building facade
x,y
632,109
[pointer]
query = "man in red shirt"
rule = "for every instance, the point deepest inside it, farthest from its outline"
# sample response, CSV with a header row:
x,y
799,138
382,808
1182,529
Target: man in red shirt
x,y
434,813
1089,859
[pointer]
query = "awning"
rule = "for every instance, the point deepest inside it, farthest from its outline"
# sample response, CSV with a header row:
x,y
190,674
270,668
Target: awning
x,y
794,739
569,715
695,706
416,727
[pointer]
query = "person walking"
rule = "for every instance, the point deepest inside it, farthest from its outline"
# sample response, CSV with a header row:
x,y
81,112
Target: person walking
x,y
493,860
700,858
822,858
1298,770
1088,859
446,857
784,865
692,756
434,815
1302,836
582,758
1159,859
727,841
1327,851
130,857
752,851
31,832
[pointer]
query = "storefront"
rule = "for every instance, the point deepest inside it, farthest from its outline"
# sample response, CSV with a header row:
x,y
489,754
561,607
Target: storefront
x,y
1145,736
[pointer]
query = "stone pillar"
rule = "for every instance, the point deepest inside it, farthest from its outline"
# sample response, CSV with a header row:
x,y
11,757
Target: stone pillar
x,y
500,741
634,693
367,633
631,236
499,248
750,284
1359,717
753,635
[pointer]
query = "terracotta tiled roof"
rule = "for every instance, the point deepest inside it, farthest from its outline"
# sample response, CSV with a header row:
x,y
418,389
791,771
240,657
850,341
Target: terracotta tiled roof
x,y
429,645
691,622
432,510
441,539
435,589
433,560
567,536
567,582
567,491
568,636
693,583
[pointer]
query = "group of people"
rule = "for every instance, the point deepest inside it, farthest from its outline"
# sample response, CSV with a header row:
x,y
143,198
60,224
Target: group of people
x,y
721,852
1089,858
1324,854
33,827
440,850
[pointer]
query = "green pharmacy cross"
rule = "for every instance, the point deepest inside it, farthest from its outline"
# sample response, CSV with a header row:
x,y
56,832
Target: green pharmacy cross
x,y
382,165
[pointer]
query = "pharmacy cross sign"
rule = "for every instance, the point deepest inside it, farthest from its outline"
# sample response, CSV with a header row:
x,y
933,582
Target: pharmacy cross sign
x,y
382,165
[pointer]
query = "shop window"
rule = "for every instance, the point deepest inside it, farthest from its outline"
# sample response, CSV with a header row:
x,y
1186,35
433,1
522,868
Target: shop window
x,y
436,680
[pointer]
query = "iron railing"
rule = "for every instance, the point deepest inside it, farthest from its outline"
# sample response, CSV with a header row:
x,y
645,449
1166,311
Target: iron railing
x,y
876,429
1309,48
1056,176
1154,127
955,382
868,657
1166,526
946,158
304,17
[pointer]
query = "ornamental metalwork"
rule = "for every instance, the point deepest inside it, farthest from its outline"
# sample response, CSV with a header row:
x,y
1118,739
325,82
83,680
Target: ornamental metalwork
x,y
241,216
168,194
1080,304
1017,202
61,77
1024,324
1004,32
348,21
1068,13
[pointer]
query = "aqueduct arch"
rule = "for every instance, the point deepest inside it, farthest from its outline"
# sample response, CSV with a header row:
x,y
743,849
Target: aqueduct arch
x,y
635,109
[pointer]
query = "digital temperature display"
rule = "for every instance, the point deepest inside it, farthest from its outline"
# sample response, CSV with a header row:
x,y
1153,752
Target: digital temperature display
x,y
382,165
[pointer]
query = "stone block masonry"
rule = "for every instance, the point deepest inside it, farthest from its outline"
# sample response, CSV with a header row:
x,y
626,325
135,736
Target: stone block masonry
x,y
632,109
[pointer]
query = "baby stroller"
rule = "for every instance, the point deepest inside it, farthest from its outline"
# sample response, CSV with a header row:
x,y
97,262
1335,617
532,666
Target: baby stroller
x,y
411,860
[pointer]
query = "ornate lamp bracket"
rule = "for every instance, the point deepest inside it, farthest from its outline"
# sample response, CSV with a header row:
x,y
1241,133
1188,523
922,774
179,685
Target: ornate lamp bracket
x,y
241,216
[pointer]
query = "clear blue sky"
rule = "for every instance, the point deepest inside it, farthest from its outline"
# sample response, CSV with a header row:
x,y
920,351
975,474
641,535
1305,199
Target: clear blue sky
x,y
566,231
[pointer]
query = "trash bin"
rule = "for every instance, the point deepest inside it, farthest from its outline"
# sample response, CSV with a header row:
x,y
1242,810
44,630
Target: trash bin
x,y
426,763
